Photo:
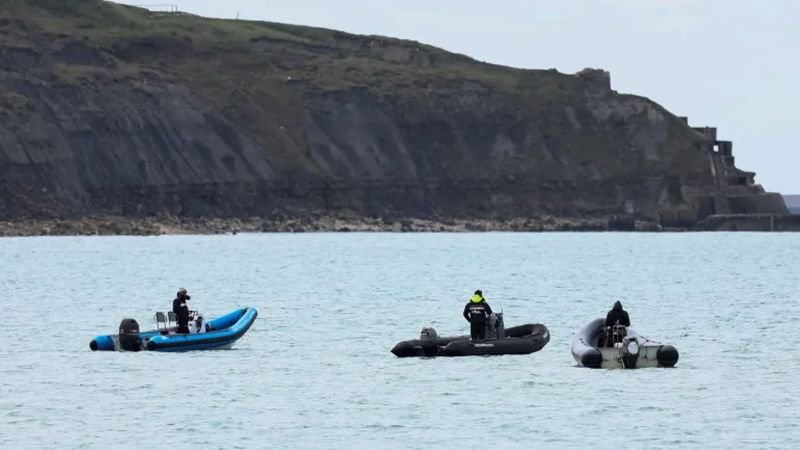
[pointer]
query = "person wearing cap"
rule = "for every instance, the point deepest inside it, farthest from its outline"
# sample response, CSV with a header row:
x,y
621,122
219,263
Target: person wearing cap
x,y
476,312
181,309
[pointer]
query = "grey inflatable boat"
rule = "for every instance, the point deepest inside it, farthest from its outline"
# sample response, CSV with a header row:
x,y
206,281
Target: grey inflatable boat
x,y
619,347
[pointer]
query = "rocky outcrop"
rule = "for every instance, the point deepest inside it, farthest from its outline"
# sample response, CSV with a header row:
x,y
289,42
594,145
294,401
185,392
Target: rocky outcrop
x,y
111,110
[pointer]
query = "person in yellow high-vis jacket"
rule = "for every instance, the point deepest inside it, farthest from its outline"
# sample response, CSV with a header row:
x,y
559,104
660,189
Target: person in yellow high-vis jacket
x,y
477,311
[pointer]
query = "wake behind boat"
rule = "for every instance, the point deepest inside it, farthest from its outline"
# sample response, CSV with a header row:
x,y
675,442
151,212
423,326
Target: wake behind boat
x,y
619,347
219,333
520,340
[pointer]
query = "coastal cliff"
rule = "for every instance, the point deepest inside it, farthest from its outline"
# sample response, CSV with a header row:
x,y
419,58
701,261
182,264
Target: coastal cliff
x,y
109,110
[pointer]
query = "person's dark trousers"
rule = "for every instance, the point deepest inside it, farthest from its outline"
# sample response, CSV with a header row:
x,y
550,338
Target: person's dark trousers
x,y
477,330
183,325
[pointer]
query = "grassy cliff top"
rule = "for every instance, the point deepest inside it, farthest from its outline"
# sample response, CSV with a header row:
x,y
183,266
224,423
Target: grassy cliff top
x,y
102,21
117,28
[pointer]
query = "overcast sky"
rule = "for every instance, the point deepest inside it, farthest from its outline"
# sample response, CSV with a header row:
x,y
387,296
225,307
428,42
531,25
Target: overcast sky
x,y
732,64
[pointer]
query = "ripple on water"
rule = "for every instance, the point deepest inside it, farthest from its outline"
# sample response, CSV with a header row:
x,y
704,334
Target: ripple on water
x,y
315,370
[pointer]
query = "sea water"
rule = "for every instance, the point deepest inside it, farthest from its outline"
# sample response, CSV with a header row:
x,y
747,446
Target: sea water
x,y
315,369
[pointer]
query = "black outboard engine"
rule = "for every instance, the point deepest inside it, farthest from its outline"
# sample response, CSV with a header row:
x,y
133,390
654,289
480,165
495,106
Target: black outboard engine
x,y
129,335
428,334
630,352
427,341
495,327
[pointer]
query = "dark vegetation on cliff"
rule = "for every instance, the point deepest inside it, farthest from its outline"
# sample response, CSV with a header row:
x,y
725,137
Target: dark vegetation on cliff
x,y
113,110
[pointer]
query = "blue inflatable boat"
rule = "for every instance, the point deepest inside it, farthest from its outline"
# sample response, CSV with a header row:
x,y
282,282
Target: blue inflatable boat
x,y
219,333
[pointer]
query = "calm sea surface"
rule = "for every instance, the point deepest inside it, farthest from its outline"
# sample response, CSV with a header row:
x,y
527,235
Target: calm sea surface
x,y
315,370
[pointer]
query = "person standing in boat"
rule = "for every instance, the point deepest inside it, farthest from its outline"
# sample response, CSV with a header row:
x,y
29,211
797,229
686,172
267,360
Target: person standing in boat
x,y
181,309
617,316
476,312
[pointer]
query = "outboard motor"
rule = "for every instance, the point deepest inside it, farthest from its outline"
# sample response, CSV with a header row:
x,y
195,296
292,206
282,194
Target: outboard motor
x,y
427,341
129,335
630,352
428,334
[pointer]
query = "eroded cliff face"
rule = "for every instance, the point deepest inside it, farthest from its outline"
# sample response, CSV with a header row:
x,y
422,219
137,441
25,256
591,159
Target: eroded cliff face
x,y
106,109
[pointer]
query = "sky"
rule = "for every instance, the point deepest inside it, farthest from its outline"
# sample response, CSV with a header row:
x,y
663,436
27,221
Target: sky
x,y
731,64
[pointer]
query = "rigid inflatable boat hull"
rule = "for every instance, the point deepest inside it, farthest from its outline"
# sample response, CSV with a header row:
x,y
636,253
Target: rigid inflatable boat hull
x,y
635,351
521,340
226,330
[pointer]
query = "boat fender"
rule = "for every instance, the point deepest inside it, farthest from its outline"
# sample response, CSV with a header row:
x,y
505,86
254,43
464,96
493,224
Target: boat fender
x,y
129,335
667,356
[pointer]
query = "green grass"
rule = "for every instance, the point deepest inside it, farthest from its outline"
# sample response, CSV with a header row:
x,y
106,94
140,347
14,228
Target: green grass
x,y
216,56
108,24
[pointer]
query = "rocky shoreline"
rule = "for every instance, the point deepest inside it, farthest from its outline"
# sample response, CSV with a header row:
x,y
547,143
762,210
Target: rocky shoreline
x,y
116,225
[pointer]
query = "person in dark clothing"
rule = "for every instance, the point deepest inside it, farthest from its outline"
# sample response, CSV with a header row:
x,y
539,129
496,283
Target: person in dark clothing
x,y
181,309
476,312
617,316
612,334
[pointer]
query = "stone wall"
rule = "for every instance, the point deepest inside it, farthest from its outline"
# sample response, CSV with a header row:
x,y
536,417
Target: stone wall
x,y
736,190
749,222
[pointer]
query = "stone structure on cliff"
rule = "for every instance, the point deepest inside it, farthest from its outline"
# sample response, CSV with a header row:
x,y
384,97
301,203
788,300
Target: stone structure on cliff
x,y
735,191
110,110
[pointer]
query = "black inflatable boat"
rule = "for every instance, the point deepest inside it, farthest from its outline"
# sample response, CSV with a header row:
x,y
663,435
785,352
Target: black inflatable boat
x,y
520,340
